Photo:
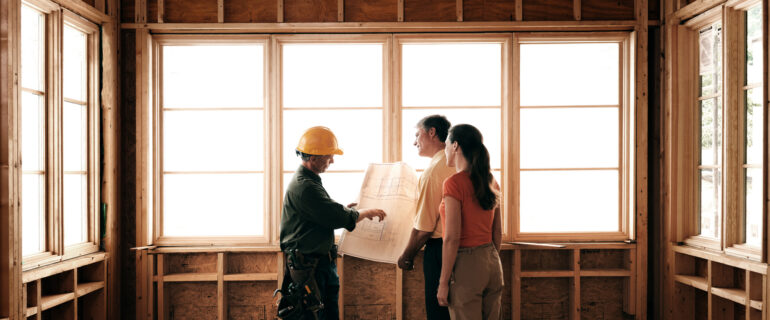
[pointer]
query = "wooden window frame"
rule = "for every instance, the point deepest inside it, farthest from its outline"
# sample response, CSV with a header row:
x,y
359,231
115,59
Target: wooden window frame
x,y
735,90
688,103
627,137
91,31
277,152
56,17
155,131
506,117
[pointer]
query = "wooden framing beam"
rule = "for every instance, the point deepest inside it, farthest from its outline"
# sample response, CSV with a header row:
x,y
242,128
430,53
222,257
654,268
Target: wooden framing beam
x,y
221,11
400,10
279,7
519,10
576,10
161,11
642,142
340,10
459,9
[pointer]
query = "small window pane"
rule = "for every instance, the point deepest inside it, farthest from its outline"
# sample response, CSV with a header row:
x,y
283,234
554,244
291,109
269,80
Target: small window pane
x,y
75,78
198,205
753,200
358,132
559,74
75,209
710,202
32,48
710,67
451,74
75,133
32,132
711,132
213,76
332,75
487,120
33,213
754,45
754,129
569,138
213,140
587,201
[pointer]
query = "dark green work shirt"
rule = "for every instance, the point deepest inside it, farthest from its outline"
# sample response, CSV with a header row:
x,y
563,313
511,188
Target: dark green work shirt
x,y
310,216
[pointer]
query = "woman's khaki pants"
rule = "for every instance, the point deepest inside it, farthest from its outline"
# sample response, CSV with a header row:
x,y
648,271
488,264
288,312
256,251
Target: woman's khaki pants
x,y
476,286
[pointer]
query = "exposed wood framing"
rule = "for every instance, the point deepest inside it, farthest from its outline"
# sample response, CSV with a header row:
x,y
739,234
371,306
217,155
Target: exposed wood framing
x,y
11,293
84,10
642,143
459,9
340,10
576,9
140,11
280,11
221,11
400,10
519,10
161,10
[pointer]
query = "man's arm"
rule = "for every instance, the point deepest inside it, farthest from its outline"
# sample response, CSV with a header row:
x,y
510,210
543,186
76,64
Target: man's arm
x,y
416,240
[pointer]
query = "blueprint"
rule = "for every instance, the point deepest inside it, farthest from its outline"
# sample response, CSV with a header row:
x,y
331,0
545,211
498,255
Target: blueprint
x,y
391,187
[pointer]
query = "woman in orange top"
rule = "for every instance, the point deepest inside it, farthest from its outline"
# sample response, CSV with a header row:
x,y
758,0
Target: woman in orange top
x,y
471,282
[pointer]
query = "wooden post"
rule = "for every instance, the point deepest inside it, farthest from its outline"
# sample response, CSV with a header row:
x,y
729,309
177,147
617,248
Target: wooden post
x,y
221,11
516,285
641,194
161,288
341,273
161,11
576,10
574,304
280,10
340,10
221,289
399,293
459,9
400,10
519,10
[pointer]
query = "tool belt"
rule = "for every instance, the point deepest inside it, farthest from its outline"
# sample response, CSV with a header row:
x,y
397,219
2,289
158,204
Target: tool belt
x,y
300,296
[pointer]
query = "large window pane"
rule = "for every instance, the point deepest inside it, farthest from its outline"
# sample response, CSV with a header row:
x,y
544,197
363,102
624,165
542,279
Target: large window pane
x,y
456,74
710,202
358,132
754,44
32,48
75,209
754,127
32,132
569,138
75,77
33,213
213,76
711,131
569,74
569,201
753,186
75,134
213,140
198,205
343,187
332,75
487,120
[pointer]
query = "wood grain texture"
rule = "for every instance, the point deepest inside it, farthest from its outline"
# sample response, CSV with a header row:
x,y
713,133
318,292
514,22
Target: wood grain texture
x,y
370,288
429,10
489,10
251,11
371,10
595,303
607,9
547,10
152,11
127,11
546,260
545,298
202,11
251,263
251,300
192,300
191,263
310,11
414,291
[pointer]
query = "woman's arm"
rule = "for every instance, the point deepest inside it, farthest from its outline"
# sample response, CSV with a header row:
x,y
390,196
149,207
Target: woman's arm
x,y
497,230
452,227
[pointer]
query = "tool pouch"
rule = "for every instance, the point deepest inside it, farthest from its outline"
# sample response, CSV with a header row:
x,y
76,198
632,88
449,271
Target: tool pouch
x,y
300,296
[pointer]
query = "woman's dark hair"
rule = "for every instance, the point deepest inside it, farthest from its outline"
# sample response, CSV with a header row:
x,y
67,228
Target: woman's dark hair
x,y
472,145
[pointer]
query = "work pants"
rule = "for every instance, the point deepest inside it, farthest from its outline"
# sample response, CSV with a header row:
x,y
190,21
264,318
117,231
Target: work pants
x,y
476,285
431,268
329,287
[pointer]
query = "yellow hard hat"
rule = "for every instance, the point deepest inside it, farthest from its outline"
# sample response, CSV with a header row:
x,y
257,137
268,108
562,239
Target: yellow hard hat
x,y
318,141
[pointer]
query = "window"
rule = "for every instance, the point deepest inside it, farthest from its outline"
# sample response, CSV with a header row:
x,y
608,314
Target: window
x,y
59,139
340,85
228,129
721,95
212,151
33,135
574,138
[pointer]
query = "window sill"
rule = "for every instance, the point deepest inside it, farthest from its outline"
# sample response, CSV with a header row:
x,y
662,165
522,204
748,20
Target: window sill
x,y
40,272
745,251
705,243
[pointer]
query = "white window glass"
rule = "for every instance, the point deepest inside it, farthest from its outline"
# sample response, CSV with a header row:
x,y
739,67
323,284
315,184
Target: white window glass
x,y
754,129
342,187
33,131
451,74
213,140
75,59
32,48
196,205
710,109
588,201
358,132
75,208
569,138
74,138
332,75
213,76
487,120
556,74
207,140
75,173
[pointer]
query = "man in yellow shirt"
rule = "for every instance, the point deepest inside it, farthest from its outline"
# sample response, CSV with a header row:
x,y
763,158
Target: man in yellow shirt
x,y
428,227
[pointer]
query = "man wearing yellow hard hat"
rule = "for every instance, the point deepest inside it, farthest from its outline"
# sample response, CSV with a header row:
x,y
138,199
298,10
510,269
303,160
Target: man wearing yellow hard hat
x,y
311,286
